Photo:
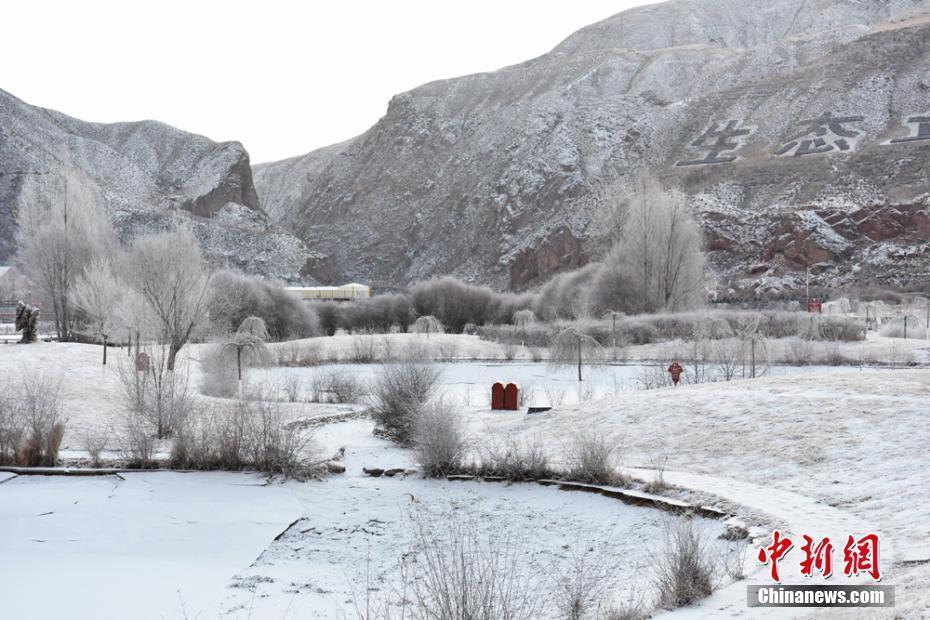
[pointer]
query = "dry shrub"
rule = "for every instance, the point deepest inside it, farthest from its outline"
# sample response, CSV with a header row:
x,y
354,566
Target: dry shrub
x,y
253,435
362,350
581,587
592,458
458,572
657,484
684,572
158,398
555,395
293,388
31,428
342,386
439,440
399,395
95,442
515,461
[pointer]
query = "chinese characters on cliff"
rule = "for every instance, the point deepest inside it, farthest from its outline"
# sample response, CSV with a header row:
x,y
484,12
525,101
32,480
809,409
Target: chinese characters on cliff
x,y
826,133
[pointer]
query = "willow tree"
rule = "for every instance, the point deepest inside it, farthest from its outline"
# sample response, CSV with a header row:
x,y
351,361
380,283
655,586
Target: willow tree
x,y
573,346
523,319
250,339
427,325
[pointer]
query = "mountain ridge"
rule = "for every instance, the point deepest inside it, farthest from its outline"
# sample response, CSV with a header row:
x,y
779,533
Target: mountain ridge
x,y
506,177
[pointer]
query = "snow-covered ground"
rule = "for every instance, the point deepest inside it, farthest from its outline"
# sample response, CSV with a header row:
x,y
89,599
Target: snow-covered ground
x,y
835,451
355,530
468,383
147,545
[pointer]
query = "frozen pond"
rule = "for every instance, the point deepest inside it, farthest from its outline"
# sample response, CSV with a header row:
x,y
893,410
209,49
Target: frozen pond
x,y
541,384
144,545
173,545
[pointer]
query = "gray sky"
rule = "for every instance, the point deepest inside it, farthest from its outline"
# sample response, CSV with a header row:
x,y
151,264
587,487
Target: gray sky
x,y
283,77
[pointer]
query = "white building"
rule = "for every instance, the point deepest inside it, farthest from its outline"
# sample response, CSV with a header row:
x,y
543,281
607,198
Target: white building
x,y
346,292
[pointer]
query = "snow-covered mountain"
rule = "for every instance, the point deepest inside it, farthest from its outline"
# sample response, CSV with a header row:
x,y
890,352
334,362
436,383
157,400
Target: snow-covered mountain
x,y
794,125
145,173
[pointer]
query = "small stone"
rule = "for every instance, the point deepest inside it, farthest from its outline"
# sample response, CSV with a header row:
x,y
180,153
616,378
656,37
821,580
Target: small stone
x,y
335,467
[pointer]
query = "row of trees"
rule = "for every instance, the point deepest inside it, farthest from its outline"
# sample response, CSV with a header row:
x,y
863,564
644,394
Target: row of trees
x,y
655,263
157,287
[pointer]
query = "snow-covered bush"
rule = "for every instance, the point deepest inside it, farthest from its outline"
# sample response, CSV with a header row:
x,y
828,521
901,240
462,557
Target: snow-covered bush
x,y
515,461
399,394
684,571
218,372
362,350
234,296
462,572
156,398
427,325
592,457
439,440
255,435
343,386
31,424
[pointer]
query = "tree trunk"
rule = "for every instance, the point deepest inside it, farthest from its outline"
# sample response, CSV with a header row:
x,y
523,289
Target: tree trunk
x,y
104,350
579,358
172,355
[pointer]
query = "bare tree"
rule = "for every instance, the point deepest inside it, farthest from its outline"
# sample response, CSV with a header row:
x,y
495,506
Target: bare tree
x,y
250,339
57,241
573,345
98,294
167,273
658,262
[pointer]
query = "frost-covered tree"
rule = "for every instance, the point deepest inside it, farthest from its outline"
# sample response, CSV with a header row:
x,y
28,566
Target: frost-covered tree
x,y
58,238
658,262
523,319
98,294
427,325
167,276
573,346
250,339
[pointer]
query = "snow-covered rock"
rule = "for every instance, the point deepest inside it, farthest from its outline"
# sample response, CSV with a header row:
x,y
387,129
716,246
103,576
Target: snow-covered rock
x,y
145,173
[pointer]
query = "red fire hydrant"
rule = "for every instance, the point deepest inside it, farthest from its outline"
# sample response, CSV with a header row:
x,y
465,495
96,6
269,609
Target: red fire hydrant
x,y
675,370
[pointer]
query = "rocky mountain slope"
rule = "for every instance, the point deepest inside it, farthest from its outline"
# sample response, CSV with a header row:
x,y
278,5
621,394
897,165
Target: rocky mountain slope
x,y
795,126
145,173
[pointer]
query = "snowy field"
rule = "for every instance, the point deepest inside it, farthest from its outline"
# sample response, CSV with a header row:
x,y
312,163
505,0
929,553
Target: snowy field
x,y
469,383
813,450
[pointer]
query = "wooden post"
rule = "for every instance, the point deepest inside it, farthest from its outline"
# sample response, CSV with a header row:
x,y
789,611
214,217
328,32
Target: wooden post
x,y
104,349
613,334
239,369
